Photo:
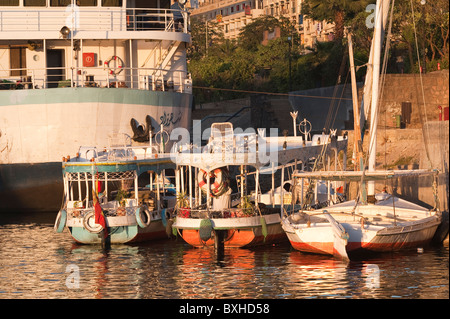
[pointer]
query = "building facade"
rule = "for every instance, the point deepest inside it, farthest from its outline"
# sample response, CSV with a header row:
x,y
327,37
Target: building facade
x,y
233,15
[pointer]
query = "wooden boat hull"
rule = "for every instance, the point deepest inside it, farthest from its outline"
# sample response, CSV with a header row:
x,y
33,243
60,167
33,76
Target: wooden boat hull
x,y
374,228
319,239
240,232
399,238
238,238
121,234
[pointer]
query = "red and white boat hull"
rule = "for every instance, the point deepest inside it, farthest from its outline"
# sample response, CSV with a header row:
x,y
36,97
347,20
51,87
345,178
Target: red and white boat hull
x,y
320,239
239,231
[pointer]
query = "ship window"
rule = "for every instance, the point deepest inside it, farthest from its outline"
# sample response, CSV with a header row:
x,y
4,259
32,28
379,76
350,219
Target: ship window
x,y
60,3
111,3
65,3
87,3
4,3
34,3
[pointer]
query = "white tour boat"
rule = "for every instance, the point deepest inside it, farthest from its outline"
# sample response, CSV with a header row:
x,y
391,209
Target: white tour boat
x,y
220,202
78,73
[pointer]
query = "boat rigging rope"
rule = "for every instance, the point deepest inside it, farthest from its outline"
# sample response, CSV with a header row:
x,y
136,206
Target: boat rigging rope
x,y
329,122
380,93
435,193
332,112
383,77
426,136
268,93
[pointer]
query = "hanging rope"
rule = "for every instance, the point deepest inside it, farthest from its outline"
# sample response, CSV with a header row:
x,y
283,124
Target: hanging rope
x,y
383,78
426,136
380,93
331,118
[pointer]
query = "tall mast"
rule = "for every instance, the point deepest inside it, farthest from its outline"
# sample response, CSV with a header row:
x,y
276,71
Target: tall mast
x,y
357,147
375,92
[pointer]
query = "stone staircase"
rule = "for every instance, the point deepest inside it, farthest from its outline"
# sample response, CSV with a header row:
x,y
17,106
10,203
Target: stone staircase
x,y
264,112
279,111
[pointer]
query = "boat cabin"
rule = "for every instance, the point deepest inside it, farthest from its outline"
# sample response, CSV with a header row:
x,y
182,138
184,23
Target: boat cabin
x,y
93,43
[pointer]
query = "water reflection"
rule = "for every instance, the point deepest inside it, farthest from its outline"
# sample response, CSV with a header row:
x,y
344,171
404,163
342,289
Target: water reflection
x,y
36,262
238,275
319,276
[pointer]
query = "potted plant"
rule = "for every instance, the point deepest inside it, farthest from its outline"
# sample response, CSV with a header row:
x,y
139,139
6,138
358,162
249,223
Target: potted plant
x,y
121,197
77,205
183,205
246,206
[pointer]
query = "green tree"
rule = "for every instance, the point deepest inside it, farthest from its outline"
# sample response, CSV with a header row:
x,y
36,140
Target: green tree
x,y
204,35
251,35
339,12
432,31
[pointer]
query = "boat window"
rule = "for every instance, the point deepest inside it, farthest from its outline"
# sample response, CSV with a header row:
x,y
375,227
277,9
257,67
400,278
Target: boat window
x,y
111,3
34,3
60,3
4,3
152,3
87,3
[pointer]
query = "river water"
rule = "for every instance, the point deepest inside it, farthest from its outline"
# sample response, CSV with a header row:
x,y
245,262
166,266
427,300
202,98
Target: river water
x,y
36,262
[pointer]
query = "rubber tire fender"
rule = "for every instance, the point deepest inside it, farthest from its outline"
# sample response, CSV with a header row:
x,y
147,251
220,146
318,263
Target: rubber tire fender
x,y
140,213
60,221
88,227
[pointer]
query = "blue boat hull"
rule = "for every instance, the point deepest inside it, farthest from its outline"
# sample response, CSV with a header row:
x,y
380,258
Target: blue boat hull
x,y
121,234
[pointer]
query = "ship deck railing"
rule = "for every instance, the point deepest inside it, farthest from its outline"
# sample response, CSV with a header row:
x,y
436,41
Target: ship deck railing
x,y
118,153
79,19
153,79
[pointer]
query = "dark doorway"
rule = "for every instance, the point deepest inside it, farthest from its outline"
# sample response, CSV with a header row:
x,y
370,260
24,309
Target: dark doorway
x,y
55,59
18,61
406,112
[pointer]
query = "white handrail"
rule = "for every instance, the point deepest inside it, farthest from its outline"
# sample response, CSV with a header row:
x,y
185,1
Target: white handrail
x,y
87,19
147,78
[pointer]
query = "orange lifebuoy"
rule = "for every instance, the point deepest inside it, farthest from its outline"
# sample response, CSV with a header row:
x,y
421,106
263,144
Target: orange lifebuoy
x,y
118,68
220,184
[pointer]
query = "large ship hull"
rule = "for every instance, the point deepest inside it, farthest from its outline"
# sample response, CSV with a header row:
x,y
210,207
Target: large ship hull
x,y
29,188
39,127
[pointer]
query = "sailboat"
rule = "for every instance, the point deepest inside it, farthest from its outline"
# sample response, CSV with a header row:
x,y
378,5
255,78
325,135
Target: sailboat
x,y
372,223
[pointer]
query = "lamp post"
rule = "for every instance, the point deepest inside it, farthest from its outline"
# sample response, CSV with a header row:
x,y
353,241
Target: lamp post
x,y
290,69
425,50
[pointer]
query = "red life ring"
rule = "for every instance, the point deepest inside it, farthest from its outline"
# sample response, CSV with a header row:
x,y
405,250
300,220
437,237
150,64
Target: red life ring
x,y
220,184
118,68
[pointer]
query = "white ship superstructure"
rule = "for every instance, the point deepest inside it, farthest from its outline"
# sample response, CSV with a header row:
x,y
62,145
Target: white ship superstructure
x,y
85,72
